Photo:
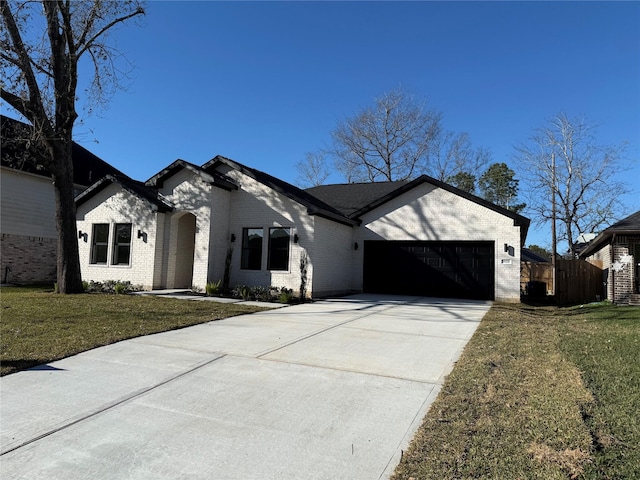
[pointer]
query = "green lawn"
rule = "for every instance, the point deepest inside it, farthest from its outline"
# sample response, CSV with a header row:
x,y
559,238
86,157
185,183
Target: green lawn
x,y
539,393
39,326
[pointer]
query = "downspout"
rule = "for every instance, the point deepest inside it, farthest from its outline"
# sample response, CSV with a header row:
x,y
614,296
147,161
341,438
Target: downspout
x,y
612,270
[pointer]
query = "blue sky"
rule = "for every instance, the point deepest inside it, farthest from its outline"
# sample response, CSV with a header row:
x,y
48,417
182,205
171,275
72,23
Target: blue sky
x,y
263,83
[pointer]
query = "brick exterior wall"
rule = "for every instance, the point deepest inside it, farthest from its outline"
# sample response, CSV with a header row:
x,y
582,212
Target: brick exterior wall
x,y
115,205
254,205
26,259
622,283
625,279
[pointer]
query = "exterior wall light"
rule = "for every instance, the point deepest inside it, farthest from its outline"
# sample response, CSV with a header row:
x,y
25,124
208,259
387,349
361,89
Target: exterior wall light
x,y
355,246
233,237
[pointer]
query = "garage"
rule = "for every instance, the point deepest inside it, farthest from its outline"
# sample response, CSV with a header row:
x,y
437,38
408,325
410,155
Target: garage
x,y
457,269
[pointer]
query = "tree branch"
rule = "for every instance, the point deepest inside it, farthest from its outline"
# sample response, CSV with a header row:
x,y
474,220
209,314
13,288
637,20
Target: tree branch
x,y
88,43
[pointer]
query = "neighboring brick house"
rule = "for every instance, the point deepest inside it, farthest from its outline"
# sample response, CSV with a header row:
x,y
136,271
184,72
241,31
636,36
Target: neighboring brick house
x,y
189,225
617,251
28,235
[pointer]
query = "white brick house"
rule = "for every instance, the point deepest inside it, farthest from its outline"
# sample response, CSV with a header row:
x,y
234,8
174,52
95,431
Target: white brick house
x,y
189,225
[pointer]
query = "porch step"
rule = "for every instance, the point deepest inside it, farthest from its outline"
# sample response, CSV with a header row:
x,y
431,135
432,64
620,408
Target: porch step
x,y
634,299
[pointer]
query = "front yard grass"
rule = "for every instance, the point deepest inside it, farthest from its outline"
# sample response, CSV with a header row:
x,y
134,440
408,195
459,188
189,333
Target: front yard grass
x,y
39,326
539,393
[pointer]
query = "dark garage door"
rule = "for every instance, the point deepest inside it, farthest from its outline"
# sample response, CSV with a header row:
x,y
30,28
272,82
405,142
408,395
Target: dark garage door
x,y
433,269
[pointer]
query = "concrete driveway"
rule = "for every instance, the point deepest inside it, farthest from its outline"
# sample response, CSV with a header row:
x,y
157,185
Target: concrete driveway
x,y
329,390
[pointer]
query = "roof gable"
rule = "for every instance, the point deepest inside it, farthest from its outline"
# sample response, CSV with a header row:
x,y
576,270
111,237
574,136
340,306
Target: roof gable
x,y
356,200
151,195
212,178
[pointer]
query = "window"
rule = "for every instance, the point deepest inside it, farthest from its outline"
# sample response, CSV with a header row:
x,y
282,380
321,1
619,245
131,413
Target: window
x,y
278,249
122,244
99,242
251,248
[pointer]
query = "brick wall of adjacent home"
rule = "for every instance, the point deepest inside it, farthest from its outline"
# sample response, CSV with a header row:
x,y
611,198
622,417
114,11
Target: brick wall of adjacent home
x,y
254,205
115,205
430,213
27,259
27,227
624,279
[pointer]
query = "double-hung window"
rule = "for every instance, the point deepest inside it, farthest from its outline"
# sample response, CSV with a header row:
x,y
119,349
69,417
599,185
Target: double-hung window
x,y
252,248
99,243
122,244
279,248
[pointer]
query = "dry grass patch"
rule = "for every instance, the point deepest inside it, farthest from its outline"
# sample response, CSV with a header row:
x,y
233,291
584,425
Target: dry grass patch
x,y
517,405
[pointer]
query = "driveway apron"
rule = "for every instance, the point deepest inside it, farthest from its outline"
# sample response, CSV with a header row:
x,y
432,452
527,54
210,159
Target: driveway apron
x,y
334,389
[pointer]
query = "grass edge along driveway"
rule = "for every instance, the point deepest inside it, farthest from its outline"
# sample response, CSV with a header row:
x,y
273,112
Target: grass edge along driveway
x,y
539,393
39,326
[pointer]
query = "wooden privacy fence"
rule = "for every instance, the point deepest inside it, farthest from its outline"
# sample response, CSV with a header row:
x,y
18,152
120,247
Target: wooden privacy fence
x,y
577,281
536,273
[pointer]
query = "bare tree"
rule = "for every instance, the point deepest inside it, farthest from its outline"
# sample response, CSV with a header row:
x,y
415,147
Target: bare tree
x,y
42,45
452,157
571,178
388,141
313,170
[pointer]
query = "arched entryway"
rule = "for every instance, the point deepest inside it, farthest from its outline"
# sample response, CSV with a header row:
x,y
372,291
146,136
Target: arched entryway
x,y
184,247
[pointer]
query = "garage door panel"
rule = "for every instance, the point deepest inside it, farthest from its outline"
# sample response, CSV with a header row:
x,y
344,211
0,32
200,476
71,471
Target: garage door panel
x,y
442,269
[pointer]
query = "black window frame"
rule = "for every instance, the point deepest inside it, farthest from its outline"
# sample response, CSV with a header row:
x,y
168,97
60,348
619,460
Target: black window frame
x,y
120,246
279,250
97,246
251,256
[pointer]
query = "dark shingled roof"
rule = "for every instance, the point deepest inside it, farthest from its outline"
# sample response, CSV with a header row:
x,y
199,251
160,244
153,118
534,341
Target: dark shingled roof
x,y
527,255
351,197
87,168
627,226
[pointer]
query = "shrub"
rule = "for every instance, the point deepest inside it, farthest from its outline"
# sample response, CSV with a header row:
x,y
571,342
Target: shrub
x,y
111,286
285,295
242,291
213,288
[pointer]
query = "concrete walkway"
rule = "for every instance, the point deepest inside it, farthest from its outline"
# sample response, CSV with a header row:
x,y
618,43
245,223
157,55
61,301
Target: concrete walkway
x,y
329,390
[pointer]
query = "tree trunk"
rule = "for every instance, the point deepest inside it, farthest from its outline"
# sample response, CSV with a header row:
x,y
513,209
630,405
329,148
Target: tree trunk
x,y
68,258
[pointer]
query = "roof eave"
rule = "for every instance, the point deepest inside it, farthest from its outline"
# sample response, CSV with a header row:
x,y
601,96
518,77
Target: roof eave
x,y
157,205
158,179
518,220
602,239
